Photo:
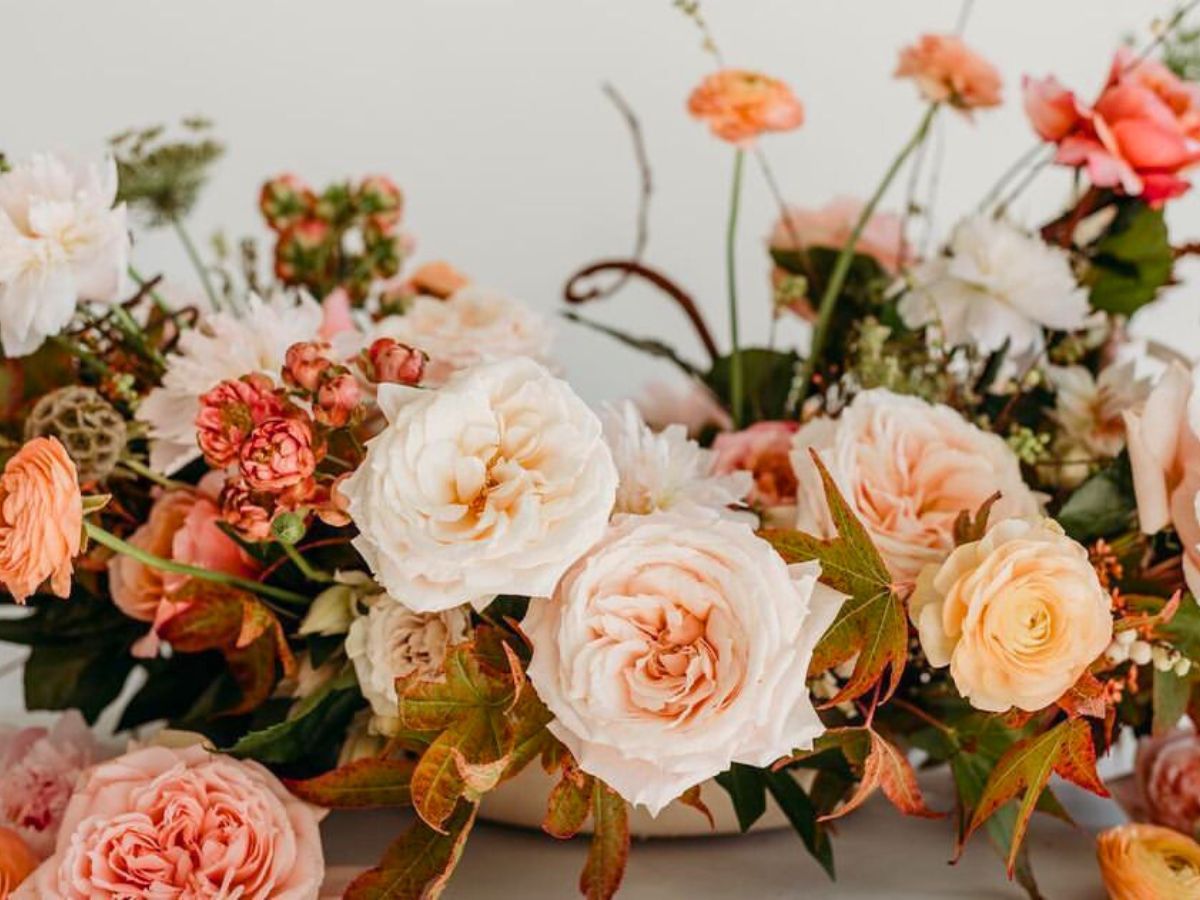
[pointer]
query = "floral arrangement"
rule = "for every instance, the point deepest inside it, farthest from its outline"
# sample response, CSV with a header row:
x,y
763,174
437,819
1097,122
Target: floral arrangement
x,y
370,551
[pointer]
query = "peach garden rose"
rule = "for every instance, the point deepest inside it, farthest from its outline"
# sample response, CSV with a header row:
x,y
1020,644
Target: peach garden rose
x,y
1148,862
1018,616
678,645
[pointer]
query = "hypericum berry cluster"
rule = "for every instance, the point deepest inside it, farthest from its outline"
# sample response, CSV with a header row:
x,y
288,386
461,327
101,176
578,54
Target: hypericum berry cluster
x,y
1127,645
346,236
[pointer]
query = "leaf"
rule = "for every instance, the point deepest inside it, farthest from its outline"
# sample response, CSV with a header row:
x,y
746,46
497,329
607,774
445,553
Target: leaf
x,y
968,528
1085,698
570,804
747,790
884,767
692,798
1170,698
76,676
608,851
295,739
1066,749
767,380
419,863
1100,507
370,783
802,815
872,623
1132,261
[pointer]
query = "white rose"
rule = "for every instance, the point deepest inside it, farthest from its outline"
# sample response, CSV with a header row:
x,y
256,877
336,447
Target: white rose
x,y
61,241
678,646
907,468
493,484
391,641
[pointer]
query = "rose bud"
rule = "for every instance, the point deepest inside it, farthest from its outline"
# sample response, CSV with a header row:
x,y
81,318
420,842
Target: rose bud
x,y
391,362
381,201
243,512
229,412
284,201
337,400
278,454
305,363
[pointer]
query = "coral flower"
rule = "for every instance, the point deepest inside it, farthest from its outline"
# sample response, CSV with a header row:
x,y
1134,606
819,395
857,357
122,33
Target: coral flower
x,y
16,862
230,411
948,71
1148,862
278,455
739,106
41,519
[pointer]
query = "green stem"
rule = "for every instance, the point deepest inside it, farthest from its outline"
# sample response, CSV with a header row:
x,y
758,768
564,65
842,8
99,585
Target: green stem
x,y
194,256
303,564
841,268
114,543
144,471
154,295
736,386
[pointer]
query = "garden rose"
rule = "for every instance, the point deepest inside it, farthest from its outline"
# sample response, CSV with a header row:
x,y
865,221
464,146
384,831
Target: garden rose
x,y
41,519
1146,862
739,106
948,71
907,468
39,769
1168,780
762,450
1163,436
16,862
163,822
678,645
493,484
1018,616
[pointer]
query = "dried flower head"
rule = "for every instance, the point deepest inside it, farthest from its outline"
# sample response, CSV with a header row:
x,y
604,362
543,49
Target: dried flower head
x,y
163,179
86,424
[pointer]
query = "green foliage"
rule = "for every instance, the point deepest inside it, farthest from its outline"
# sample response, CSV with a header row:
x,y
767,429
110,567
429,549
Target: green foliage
x,y
1102,506
1132,261
768,376
370,783
162,179
1169,700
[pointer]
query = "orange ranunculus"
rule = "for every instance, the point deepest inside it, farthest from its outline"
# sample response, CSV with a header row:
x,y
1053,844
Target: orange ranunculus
x,y
948,71
41,519
1148,862
16,862
739,105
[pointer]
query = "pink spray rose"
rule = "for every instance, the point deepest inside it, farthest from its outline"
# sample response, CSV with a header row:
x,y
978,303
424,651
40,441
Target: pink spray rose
x,y
762,450
1168,780
39,769
166,823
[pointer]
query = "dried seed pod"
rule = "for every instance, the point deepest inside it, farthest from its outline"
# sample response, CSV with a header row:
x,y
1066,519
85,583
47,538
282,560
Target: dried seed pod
x,y
88,426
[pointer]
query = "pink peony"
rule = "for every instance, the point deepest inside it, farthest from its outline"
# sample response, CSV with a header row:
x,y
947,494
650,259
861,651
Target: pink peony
x,y
1168,780
948,71
762,450
39,769
164,823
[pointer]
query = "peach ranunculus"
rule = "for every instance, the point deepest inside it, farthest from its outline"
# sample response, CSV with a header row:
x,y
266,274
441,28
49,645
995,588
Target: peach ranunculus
x,y
831,225
1168,780
183,526
678,645
739,105
163,822
16,862
948,71
1139,136
1018,616
41,519
907,468
1163,437
762,450
1148,862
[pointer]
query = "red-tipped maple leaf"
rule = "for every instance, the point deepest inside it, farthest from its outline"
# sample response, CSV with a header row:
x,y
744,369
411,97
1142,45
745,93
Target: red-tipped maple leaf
x,y
371,783
609,850
883,766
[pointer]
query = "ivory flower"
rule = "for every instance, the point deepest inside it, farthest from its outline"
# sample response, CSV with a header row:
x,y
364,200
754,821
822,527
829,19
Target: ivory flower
x,y
224,346
1090,408
493,484
907,468
678,645
163,822
1148,862
391,641
1018,616
739,106
41,519
997,284
61,242
666,470
472,325
948,71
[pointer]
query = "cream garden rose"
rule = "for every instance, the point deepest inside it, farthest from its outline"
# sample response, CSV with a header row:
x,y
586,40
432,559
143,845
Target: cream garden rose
x,y
678,645
908,468
1018,616
494,484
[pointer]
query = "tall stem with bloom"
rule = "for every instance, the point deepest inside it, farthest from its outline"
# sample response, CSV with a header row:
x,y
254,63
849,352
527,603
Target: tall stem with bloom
x,y
194,255
841,268
736,385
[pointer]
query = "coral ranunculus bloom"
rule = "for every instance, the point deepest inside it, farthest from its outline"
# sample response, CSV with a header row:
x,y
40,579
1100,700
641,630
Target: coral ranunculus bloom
x,y
739,105
948,71
16,862
1148,862
41,519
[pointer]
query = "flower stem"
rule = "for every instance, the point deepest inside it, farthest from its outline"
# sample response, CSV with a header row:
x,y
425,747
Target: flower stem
x,y
736,385
197,262
154,295
303,565
141,469
114,543
841,268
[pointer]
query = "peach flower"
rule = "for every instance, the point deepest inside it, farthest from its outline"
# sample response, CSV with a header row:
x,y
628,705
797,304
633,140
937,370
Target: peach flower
x,y
16,862
1148,862
1018,616
678,645
41,519
165,823
830,226
438,279
1168,780
948,71
907,468
1163,437
763,451
739,105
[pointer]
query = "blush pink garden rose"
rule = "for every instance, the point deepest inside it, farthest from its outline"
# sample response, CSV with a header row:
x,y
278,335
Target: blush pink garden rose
x,y
907,468
1168,780
186,823
1163,437
678,645
948,71
1139,136
763,450
39,769
740,106
1018,616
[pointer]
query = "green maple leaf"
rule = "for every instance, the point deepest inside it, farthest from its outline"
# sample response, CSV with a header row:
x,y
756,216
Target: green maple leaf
x,y
371,783
872,622
609,849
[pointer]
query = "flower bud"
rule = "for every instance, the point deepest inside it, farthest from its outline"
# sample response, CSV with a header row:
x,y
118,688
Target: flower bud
x,y
391,362
381,201
1140,652
284,201
304,364
337,400
438,279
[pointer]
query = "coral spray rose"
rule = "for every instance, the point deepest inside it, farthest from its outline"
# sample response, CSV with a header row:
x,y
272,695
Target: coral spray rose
x,y
739,106
16,862
948,71
41,519
278,454
1148,862
230,411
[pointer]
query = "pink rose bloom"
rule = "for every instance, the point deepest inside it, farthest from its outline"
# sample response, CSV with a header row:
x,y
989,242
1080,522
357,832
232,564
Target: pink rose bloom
x,y
1138,137
1163,437
1168,781
831,225
762,450
165,823
39,769
948,71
